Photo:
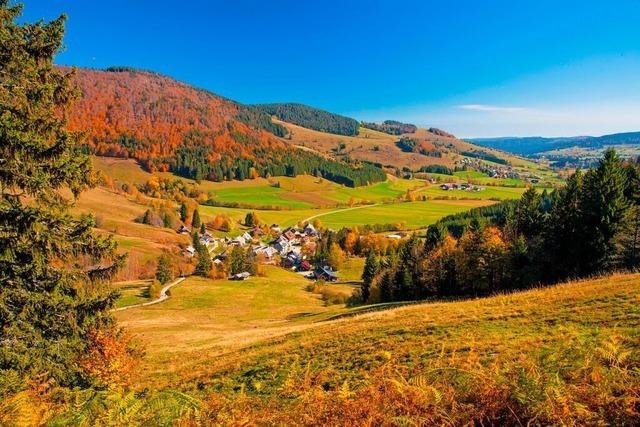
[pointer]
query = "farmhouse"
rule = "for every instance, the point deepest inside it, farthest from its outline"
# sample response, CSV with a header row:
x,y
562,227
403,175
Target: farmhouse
x,y
184,230
325,273
190,251
310,230
241,276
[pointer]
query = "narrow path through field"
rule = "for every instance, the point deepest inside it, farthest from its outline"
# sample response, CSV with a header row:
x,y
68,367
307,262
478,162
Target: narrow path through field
x,y
163,296
339,210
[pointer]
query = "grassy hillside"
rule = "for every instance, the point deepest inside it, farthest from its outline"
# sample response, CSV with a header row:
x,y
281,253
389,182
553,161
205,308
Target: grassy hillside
x,y
566,354
379,147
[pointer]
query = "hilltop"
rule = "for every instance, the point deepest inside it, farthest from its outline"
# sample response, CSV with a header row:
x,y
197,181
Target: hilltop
x,y
168,125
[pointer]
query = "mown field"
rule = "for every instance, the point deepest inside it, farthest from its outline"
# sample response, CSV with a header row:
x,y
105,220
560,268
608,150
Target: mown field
x,y
211,317
566,354
409,215
132,292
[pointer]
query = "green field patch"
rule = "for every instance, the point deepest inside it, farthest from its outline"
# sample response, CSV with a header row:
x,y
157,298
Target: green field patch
x,y
411,214
132,292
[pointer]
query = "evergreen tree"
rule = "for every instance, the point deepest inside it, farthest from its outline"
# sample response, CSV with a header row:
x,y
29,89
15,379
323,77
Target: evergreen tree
x,y
53,270
435,236
371,270
195,220
565,237
528,216
203,228
203,267
184,212
163,270
251,219
604,206
237,261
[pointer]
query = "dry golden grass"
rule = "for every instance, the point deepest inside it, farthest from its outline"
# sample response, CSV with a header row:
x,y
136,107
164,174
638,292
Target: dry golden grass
x,y
115,215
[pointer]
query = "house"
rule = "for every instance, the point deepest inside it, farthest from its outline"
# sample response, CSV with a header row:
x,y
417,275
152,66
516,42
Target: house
x,y
257,233
241,276
291,260
184,230
445,187
289,234
206,239
247,237
305,265
190,251
266,251
275,228
310,230
325,273
240,241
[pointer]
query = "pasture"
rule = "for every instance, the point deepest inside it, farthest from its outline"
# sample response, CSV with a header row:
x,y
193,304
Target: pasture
x,y
211,317
557,354
411,214
132,292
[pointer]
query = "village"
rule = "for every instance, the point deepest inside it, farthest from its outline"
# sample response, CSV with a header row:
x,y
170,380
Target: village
x,y
292,248
502,172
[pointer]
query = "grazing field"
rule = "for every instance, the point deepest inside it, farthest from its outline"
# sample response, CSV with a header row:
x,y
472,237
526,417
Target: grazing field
x,y
132,292
115,215
213,316
411,214
123,170
487,193
557,355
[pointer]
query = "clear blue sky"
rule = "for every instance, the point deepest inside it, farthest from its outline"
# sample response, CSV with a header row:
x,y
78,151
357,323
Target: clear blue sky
x,y
476,68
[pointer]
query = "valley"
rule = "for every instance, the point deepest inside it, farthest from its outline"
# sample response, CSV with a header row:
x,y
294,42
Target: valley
x,y
170,256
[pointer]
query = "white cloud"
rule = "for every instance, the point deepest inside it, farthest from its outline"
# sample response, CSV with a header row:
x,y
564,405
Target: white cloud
x,y
485,108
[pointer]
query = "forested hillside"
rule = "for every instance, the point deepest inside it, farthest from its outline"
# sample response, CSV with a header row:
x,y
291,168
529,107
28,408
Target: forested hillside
x,y
392,127
168,125
312,118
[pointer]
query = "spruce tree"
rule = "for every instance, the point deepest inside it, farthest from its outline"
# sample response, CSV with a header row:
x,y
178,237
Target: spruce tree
x,y
528,216
371,270
195,220
184,212
163,270
605,206
203,267
54,271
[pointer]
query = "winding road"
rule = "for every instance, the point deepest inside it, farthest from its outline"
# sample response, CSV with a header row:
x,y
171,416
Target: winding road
x,y
163,296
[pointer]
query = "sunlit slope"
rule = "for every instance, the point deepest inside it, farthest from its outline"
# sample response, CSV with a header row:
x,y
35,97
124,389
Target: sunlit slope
x,y
564,353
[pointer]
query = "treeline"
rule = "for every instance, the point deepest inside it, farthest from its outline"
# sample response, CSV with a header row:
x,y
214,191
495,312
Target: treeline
x,y
312,118
257,118
483,155
441,169
410,145
192,159
391,127
591,226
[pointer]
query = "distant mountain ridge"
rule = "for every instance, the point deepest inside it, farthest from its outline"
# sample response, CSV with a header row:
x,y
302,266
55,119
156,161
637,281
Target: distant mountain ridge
x,y
536,144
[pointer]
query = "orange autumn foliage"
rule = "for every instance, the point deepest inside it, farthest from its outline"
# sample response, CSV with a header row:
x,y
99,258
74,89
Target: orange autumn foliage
x,y
154,113
110,360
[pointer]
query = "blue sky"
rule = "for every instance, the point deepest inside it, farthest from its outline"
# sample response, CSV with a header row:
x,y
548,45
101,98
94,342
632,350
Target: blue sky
x,y
475,68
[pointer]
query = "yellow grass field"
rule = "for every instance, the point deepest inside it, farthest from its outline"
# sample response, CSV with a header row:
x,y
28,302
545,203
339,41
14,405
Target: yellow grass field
x,y
272,348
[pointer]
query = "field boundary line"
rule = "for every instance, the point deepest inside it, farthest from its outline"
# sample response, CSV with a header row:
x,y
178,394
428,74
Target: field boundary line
x,y
163,296
339,210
